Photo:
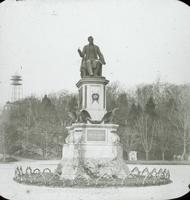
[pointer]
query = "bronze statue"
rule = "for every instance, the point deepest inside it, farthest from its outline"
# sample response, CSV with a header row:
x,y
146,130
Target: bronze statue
x,y
92,59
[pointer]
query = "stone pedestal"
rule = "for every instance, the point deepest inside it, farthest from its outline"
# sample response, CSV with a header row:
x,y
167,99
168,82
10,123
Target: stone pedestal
x,y
95,147
92,96
92,143
97,141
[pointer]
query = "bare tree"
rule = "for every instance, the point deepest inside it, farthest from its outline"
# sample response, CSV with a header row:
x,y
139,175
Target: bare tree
x,y
130,138
3,141
180,118
162,128
3,124
146,128
182,124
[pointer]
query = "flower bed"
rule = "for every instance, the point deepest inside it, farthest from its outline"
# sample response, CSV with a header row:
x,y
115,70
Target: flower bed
x,y
134,178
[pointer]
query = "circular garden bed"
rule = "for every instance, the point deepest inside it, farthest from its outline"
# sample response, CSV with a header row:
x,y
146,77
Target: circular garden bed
x,y
53,179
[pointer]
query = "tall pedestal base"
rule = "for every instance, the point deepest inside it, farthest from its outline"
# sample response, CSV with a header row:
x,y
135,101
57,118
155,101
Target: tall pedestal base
x,y
92,150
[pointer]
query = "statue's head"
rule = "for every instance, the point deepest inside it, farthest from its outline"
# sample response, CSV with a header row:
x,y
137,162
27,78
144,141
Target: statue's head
x,y
90,39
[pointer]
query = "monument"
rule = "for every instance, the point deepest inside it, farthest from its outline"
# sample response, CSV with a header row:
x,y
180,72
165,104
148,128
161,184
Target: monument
x,y
92,147
92,153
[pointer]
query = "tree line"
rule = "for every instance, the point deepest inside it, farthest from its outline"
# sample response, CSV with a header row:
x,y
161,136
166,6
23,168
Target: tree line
x,y
154,120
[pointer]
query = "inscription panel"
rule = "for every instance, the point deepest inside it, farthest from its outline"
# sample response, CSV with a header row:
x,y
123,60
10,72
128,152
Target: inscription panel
x,y
96,135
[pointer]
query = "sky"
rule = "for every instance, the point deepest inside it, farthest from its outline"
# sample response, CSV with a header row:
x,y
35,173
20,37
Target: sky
x,y
141,40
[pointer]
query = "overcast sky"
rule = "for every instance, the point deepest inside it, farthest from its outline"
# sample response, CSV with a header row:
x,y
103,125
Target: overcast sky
x,y
141,40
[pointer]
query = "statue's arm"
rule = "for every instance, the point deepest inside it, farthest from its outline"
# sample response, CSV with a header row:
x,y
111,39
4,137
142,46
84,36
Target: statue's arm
x,y
81,53
101,56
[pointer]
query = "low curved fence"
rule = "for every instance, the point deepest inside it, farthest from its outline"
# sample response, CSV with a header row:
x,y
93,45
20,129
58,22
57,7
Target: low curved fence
x,y
48,178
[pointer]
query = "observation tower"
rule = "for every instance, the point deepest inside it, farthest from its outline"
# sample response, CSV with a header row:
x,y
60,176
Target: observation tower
x,y
17,90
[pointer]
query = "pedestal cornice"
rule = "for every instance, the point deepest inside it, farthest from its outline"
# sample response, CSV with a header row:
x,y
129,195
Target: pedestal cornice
x,y
92,80
83,125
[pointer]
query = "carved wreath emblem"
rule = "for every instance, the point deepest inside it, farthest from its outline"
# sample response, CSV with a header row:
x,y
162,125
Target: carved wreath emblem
x,y
95,97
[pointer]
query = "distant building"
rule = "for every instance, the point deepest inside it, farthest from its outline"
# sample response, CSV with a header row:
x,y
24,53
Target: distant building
x,y
132,155
17,92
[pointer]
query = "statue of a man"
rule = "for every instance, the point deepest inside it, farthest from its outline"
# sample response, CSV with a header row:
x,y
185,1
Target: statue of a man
x,y
92,59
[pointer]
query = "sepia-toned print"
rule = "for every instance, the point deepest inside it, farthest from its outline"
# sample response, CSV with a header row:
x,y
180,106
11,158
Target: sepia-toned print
x,y
95,99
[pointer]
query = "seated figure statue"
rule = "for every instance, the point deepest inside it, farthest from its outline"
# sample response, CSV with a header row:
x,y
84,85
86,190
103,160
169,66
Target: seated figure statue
x,y
92,59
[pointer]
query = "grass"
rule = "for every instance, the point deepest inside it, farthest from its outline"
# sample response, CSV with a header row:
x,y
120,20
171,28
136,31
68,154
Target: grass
x,y
159,162
7,160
